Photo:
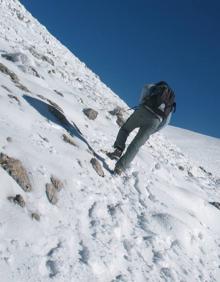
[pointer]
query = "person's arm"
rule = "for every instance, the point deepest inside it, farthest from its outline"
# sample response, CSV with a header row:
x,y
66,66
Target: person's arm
x,y
145,92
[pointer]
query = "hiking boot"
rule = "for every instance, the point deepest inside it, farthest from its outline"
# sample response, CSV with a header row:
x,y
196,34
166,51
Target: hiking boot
x,y
118,170
115,155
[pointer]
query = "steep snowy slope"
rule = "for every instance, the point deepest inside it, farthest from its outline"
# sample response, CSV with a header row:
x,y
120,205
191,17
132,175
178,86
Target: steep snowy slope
x,y
208,154
153,224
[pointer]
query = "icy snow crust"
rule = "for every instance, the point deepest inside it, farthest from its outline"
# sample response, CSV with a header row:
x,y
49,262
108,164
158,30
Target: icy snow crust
x,y
152,224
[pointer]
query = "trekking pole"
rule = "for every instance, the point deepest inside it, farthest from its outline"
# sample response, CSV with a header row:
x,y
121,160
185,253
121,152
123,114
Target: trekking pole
x,y
133,108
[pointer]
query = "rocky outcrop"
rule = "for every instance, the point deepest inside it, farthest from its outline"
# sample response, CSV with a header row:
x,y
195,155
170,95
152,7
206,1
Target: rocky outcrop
x,y
16,170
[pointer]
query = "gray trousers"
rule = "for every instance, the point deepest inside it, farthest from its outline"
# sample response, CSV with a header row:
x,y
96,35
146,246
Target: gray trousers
x,y
147,123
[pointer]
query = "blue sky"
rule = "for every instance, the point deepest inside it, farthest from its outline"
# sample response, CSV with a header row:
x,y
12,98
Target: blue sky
x,y
132,42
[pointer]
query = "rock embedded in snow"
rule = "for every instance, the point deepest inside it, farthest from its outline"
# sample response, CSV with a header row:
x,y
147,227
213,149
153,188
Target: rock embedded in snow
x,y
58,113
215,204
14,98
18,199
11,74
9,139
90,113
59,93
118,112
57,183
97,167
35,216
51,193
68,140
16,170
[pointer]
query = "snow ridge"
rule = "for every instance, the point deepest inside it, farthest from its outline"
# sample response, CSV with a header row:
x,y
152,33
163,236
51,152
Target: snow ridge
x,y
155,223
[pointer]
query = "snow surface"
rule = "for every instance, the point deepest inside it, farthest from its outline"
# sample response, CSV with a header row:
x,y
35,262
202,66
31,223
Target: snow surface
x,y
153,224
204,150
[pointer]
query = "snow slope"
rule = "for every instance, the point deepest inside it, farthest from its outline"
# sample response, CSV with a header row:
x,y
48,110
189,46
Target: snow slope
x,y
153,224
208,154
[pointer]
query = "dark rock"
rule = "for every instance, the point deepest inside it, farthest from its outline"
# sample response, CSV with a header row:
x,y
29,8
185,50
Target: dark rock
x,y
35,216
180,167
215,204
90,113
22,87
59,93
11,74
6,88
41,56
52,267
9,139
51,193
18,199
58,113
16,170
97,167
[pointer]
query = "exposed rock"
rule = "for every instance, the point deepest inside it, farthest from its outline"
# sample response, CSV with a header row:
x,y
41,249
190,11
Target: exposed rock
x,y
22,87
180,167
9,139
53,104
44,138
68,139
30,70
58,184
52,267
15,98
18,199
6,88
157,166
59,93
35,216
16,57
58,113
90,113
205,171
97,167
41,56
41,97
215,204
51,193
16,170
118,112
6,71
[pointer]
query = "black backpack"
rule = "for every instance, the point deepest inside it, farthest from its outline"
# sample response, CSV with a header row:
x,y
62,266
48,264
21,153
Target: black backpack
x,y
161,94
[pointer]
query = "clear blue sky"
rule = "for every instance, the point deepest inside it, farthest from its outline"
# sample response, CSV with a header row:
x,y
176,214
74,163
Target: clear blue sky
x,y
132,42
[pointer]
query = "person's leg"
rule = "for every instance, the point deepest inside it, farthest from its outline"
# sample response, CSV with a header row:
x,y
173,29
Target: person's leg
x,y
132,122
139,140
